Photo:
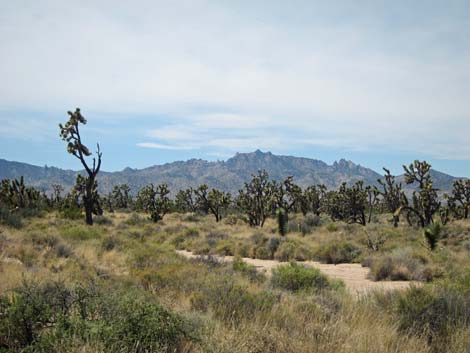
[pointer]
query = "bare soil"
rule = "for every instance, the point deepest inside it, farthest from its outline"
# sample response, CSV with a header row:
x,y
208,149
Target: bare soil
x,y
354,276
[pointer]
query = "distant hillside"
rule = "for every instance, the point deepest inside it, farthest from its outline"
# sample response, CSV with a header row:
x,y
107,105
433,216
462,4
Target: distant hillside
x,y
226,175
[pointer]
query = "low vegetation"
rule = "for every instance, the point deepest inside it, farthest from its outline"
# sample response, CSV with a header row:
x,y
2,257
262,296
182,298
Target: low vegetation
x,y
119,286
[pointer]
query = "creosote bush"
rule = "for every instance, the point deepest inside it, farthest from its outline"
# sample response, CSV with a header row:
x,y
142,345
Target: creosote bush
x,y
38,317
295,277
232,303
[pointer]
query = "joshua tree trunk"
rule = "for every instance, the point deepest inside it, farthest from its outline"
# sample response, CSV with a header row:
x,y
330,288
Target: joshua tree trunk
x,y
88,201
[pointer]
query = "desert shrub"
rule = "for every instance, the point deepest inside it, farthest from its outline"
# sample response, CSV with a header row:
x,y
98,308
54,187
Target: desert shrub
x,y
135,234
262,253
335,253
286,251
231,220
80,233
201,248
179,241
140,325
35,316
25,314
25,254
41,240
71,212
63,250
401,264
433,312
232,303
216,235
332,227
258,238
134,220
312,220
295,277
11,219
291,250
102,220
243,250
250,271
225,248
306,225
110,243
192,217
191,233
273,245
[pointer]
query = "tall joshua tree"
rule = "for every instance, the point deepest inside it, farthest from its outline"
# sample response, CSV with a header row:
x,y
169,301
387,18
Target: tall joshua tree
x,y
71,134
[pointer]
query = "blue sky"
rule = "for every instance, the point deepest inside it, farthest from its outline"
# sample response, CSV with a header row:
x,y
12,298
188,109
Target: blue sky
x,y
379,82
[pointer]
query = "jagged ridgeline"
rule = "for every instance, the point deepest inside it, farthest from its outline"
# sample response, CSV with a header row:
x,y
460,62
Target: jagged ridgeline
x,y
228,176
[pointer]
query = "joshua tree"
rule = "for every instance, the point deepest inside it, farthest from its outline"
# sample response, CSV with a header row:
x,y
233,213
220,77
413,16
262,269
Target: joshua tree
x,y
80,192
155,201
347,204
120,196
256,198
391,195
71,134
185,201
16,195
57,194
202,198
312,199
214,201
218,202
356,202
459,201
425,202
287,195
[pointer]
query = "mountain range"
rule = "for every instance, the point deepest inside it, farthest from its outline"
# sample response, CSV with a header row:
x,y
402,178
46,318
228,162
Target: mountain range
x,y
226,175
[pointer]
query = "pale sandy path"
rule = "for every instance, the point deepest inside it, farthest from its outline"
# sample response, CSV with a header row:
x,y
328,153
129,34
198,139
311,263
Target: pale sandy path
x,y
353,275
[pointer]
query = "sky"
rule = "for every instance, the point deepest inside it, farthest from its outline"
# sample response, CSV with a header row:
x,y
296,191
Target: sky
x,y
381,83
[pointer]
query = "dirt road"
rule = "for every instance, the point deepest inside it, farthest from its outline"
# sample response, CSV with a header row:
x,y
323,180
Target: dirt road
x,y
353,275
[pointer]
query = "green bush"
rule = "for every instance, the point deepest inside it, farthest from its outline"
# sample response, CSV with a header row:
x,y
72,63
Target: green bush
x,y
140,325
433,312
71,212
295,277
335,253
37,318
